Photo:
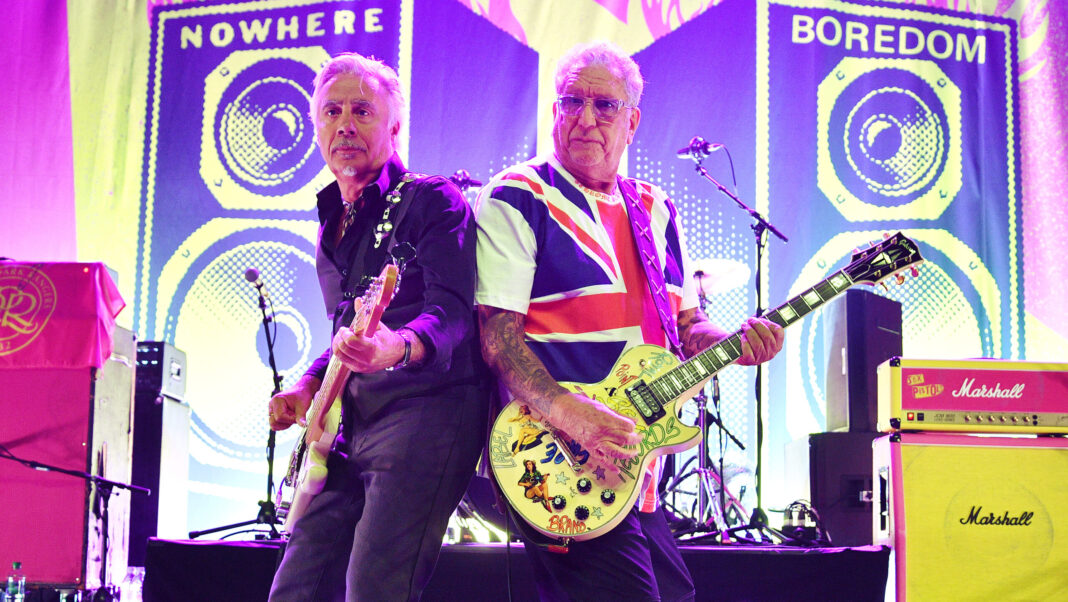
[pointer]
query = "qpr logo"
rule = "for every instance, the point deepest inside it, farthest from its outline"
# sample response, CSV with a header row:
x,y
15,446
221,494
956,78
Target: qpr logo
x,y
27,300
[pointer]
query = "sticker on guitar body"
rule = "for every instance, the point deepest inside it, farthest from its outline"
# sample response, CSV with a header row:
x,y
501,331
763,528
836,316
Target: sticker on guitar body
x,y
552,481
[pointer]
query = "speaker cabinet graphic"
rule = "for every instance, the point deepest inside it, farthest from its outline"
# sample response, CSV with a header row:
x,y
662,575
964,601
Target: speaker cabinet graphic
x,y
889,146
257,147
214,317
973,517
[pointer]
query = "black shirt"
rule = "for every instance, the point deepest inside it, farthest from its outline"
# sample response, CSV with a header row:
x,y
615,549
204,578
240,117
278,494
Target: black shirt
x,y
435,297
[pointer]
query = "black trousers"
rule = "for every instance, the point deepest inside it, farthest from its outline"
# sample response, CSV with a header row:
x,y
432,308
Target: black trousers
x,y
636,560
375,531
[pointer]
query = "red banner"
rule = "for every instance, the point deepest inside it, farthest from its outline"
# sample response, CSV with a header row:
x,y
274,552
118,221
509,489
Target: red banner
x,y
56,315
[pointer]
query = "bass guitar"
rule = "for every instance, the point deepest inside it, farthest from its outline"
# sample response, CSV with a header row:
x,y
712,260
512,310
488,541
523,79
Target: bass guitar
x,y
307,465
560,490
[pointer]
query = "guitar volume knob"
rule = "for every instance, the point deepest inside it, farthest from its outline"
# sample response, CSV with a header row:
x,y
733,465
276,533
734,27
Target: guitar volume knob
x,y
559,502
582,513
584,485
607,497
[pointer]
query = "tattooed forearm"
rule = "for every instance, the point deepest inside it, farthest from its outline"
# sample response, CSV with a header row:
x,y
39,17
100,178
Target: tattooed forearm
x,y
697,333
506,352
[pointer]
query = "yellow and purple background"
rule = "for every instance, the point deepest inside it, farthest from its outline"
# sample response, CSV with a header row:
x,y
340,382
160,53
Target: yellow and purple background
x,y
169,140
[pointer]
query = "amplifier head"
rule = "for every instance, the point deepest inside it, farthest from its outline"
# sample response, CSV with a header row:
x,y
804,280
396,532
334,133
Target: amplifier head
x,y
161,369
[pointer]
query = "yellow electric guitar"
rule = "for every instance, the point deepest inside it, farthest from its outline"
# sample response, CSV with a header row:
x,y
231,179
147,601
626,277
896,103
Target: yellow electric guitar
x,y
307,465
561,491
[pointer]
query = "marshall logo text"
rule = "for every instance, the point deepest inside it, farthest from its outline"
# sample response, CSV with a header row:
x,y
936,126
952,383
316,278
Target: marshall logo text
x,y
975,518
968,389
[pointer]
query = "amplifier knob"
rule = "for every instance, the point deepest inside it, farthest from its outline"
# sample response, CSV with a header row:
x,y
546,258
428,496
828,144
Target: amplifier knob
x,y
967,418
1015,419
1002,419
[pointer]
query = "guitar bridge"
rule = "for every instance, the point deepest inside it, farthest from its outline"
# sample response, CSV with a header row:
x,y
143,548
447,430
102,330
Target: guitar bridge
x,y
563,446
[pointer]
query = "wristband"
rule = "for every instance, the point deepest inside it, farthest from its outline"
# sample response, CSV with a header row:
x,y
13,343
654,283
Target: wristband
x,y
407,350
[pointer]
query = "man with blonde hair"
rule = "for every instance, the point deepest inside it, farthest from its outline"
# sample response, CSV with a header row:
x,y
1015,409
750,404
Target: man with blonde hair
x,y
413,410
577,264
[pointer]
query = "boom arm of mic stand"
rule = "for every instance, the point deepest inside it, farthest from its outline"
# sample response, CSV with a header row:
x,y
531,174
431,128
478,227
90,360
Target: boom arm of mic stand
x,y
715,420
752,212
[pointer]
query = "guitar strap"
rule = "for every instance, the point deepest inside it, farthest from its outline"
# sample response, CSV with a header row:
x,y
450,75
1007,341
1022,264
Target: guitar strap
x,y
397,202
650,260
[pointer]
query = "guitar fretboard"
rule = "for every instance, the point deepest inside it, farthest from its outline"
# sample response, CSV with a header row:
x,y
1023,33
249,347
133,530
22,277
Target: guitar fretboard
x,y
702,366
336,373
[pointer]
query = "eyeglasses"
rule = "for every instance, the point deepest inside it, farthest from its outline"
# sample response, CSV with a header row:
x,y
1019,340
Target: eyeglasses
x,y
604,109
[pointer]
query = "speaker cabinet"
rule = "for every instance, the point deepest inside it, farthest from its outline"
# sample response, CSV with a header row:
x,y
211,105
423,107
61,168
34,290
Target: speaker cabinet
x,y
861,331
161,448
973,517
840,485
77,419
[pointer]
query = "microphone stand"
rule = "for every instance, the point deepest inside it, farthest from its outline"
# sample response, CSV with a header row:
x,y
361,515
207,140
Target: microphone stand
x,y
100,505
268,513
760,227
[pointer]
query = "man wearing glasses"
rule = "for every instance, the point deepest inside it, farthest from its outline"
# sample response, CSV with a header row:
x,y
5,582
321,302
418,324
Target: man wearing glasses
x,y
563,290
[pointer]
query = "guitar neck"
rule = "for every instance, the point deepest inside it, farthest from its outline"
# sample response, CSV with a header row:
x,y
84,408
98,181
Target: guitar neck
x,y
369,310
702,366
335,378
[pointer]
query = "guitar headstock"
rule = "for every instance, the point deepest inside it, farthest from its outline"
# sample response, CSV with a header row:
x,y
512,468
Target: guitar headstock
x,y
884,259
374,301
382,286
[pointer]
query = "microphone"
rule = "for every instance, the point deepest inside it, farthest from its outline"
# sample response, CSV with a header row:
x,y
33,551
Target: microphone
x,y
699,147
253,276
463,180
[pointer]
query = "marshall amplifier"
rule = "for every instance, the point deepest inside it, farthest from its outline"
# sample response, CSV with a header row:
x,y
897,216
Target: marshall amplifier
x,y
973,517
977,396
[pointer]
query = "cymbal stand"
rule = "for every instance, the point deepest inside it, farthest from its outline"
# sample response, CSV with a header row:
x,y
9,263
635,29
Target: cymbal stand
x,y
710,518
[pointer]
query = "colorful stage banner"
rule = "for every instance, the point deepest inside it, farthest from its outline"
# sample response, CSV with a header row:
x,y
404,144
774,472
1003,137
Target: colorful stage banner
x,y
899,119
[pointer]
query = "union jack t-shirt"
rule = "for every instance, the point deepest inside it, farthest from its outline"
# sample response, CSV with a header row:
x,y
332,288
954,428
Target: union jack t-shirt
x,y
564,256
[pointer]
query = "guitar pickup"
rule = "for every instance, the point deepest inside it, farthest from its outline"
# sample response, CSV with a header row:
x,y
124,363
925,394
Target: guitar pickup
x,y
645,402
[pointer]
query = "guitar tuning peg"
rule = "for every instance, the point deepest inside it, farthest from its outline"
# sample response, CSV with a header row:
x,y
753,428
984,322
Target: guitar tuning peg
x,y
915,272
885,288
901,279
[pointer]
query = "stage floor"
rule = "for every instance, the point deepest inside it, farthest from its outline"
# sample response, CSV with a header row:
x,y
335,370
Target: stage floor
x,y
219,570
